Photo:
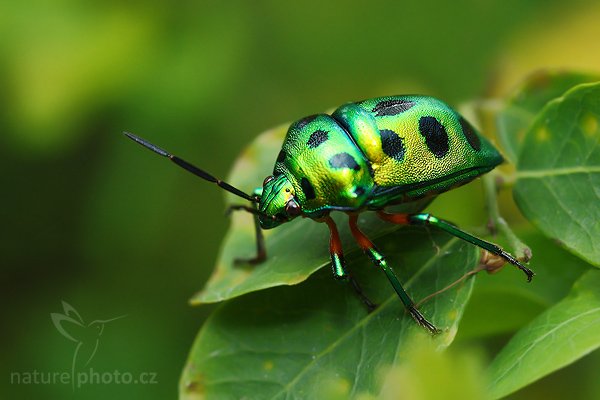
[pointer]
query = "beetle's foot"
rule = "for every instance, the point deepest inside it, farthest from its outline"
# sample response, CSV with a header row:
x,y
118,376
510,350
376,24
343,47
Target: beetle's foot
x,y
417,316
519,265
530,274
230,209
238,262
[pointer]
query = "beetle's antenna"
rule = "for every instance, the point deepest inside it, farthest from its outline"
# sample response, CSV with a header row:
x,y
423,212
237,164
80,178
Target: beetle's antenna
x,y
191,168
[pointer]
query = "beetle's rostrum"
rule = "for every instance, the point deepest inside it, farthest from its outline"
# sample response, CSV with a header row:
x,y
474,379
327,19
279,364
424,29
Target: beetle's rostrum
x,y
366,156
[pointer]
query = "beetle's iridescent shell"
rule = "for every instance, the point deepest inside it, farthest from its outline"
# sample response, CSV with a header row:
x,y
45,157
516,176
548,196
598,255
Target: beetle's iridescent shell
x,y
382,151
324,165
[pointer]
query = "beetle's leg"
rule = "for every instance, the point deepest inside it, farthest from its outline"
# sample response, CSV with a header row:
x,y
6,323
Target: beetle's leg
x,y
261,250
378,259
428,219
338,264
335,250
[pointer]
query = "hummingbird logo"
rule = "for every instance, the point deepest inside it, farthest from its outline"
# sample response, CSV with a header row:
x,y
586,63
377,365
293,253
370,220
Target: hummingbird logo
x,y
85,335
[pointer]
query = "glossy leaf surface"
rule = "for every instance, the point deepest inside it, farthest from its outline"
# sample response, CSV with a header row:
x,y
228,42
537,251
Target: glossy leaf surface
x,y
559,336
558,171
315,338
521,109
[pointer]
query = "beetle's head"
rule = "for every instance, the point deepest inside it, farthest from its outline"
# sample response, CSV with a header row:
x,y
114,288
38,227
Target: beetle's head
x,y
278,203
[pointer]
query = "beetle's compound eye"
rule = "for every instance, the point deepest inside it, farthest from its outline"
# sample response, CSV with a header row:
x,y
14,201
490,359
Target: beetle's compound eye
x,y
292,208
268,179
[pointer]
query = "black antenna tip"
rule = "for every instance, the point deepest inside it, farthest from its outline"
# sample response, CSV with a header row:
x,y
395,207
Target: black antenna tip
x,y
147,144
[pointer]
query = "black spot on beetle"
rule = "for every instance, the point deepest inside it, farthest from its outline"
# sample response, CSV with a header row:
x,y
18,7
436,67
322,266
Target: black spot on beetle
x,y
359,191
392,107
435,135
344,160
392,144
281,156
308,189
305,121
317,138
470,134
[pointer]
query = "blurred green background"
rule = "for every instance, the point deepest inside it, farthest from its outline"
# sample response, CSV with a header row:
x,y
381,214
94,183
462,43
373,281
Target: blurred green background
x,y
92,219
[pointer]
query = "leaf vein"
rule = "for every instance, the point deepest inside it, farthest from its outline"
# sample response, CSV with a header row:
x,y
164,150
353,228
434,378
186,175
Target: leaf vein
x,y
368,317
541,173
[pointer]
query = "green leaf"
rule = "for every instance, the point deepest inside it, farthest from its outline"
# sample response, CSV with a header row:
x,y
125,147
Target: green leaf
x,y
528,100
504,302
558,172
316,339
294,250
558,337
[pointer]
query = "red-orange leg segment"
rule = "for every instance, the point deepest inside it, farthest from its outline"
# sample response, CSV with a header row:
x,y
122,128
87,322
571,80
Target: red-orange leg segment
x,y
379,260
335,250
338,264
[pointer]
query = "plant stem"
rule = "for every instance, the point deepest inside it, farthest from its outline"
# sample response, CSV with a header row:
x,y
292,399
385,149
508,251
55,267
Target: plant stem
x,y
497,223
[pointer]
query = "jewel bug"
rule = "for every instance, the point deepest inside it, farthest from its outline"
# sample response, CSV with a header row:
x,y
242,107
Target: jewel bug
x,y
366,156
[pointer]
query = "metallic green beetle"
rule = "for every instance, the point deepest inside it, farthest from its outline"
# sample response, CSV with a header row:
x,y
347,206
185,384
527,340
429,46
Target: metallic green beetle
x,y
367,156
